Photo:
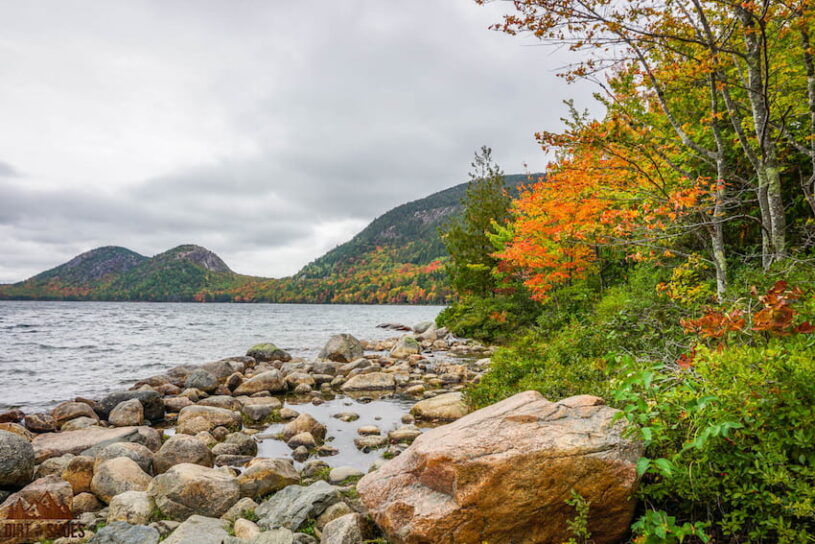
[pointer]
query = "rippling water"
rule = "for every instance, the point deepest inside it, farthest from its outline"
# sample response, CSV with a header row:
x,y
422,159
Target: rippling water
x,y
53,351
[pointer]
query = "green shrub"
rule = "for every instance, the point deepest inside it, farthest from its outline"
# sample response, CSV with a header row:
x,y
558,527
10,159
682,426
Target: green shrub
x,y
567,363
493,319
730,442
567,352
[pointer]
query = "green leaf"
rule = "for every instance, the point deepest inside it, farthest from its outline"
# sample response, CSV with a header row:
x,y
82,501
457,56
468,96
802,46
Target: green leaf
x,y
642,465
665,466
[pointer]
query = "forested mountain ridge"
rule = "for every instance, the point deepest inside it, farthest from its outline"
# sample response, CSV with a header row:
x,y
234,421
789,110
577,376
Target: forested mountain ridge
x,y
412,229
397,258
92,266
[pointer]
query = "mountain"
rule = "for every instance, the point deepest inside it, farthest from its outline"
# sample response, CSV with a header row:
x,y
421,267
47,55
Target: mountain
x,y
91,267
397,258
175,275
78,277
412,229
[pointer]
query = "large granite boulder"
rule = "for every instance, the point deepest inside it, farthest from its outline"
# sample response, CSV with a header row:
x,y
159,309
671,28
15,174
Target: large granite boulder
x,y
226,367
16,460
116,476
372,381
67,411
76,442
502,474
263,476
271,381
304,423
140,454
200,530
182,448
445,407
188,489
121,532
40,423
81,422
342,348
17,429
268,352
129,413
194,419
227,402
134,507
202,380
348,529
405,347
151,401
79,473
293,505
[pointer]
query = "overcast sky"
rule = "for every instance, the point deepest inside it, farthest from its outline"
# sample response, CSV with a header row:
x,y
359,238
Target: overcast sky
x,y
267,131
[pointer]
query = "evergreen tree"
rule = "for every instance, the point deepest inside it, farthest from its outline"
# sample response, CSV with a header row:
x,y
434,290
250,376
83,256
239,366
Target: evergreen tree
x,y
466,237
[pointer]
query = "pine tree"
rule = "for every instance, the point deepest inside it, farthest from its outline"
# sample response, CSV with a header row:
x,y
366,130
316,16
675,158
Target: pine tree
x,y
466,236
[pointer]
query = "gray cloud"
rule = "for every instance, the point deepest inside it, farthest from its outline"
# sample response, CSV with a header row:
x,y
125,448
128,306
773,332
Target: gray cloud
x,y
268,132
7,170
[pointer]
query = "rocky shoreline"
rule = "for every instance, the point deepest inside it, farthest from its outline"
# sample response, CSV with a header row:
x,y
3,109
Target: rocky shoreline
x,y
179,456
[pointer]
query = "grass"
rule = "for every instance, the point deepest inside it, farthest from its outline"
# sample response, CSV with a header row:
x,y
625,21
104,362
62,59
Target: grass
x,y
350,492
308,528
158,515
323,473
249,515
351,480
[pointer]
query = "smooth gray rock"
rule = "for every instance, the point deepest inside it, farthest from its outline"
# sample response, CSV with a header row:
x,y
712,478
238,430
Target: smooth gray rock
x,y
116,476
188,489
340,474
263,476
342,348
16,460
268,352
419,328
137,452
245,443
257,412
275,536
348,529
271,381
201,379
372,381
293,505
151,401
120,532
51,445
129,413
199,530
134,507
407,345
182,448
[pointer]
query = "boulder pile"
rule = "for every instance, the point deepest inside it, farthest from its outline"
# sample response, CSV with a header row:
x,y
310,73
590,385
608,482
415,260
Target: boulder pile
x,y
175,458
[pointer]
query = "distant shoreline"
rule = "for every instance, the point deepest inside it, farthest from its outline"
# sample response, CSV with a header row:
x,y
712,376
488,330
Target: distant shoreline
x,y
13,299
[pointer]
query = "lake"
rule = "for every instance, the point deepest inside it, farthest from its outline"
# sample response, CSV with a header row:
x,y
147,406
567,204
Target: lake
x,y
54,351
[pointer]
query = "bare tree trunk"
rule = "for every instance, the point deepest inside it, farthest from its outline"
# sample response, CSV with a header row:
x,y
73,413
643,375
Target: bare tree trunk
x,y
719,195
769,177
808,186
